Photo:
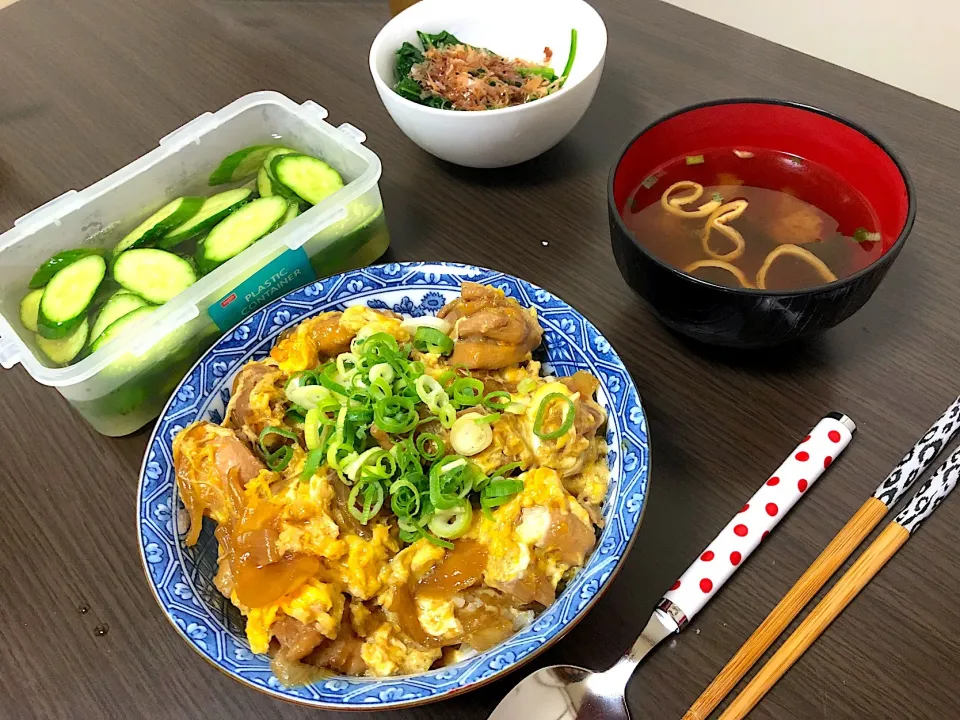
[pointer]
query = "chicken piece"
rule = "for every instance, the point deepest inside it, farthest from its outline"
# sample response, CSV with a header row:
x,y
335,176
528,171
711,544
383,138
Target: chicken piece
x,y
257,400
304,649
491,330
212,466
343,653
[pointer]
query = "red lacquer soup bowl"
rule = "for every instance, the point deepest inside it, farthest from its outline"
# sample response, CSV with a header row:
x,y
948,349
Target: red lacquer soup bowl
x,y
747,317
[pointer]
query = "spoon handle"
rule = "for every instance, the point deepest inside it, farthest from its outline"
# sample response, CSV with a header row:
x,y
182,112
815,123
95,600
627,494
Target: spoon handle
x,y
758,517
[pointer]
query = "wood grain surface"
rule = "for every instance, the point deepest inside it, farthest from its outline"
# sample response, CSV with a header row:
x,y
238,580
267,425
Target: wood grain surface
x,y
87,86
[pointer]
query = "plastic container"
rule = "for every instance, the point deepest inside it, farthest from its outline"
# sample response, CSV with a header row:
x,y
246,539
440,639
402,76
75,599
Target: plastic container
x,y
125,384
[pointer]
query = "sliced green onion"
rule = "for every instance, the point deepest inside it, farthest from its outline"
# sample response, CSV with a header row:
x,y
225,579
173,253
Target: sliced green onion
x,y
467,391
438,443
346,364
507,469
449,482
862,235
301,379
295,415
499,492
542,412
379,347
405,455
497,400
695,160
373,497
526,386
384,466
447,416
434,540
382,371
274,430
380,388
404,498
311,429
326,378
488,419
502,487
431,393
453,522
312,464
308,396
395,415
353,466
279,460
431,340
446,378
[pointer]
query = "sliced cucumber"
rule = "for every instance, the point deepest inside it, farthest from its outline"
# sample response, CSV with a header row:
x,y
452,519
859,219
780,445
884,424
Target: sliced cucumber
x,y
120,303
240,165
118,326
214,210
171,215
68,294
240,230
311,179
155,275
293,211
30,309
266,183
67,348
58,262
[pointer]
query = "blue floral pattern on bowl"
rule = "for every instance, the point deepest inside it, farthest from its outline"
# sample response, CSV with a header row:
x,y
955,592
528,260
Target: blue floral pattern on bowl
x,y
182,577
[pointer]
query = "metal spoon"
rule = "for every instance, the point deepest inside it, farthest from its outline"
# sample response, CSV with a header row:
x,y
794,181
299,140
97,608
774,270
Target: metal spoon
x,y
567,692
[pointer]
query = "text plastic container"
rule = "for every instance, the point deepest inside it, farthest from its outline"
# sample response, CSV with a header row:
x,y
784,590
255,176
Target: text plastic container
x,y
126,383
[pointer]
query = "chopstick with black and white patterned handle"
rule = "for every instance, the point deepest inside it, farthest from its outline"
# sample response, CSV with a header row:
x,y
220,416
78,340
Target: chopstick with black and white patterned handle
x,y
916,461
921,506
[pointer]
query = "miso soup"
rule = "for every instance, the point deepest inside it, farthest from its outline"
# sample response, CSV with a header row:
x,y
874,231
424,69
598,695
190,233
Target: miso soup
x,y
754,218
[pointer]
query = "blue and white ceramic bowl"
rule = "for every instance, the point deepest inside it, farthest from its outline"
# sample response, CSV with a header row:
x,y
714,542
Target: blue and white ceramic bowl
x,y
182,578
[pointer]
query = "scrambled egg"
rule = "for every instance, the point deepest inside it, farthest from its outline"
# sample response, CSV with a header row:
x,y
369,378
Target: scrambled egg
x,y
360,569
386,653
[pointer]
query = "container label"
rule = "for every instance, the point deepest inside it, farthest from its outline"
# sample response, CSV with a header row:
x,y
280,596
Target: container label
x,y
288,272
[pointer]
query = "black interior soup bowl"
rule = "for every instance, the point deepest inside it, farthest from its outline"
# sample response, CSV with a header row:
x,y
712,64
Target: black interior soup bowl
x,y
745,317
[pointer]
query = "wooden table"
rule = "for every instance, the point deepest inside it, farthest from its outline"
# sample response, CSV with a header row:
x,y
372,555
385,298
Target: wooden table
x,y
86,86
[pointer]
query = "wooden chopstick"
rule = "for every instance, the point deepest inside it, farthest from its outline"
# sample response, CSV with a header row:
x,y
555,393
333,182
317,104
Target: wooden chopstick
x,y
920,507
887,494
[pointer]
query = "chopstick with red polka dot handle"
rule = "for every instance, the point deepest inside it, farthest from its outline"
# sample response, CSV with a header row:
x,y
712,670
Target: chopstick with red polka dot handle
x,y
913,464
757,518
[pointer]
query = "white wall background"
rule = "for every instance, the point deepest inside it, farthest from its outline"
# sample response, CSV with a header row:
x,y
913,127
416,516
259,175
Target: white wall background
x,y
912,44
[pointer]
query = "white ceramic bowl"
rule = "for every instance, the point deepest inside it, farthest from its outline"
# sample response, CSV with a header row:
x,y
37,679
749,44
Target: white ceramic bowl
x,y
513,28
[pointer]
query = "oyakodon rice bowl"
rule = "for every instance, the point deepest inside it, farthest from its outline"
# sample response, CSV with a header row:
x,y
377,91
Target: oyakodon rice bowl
x,y
406,504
